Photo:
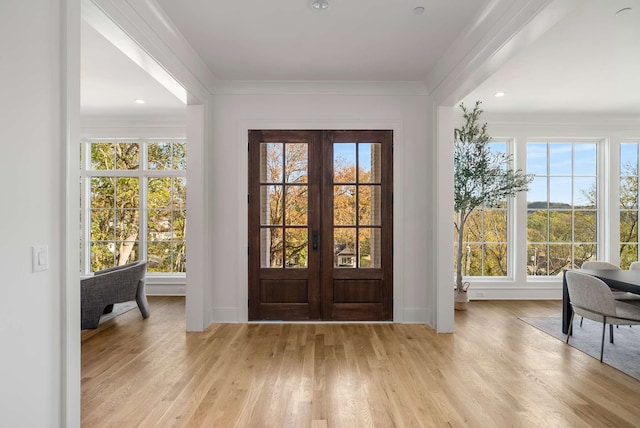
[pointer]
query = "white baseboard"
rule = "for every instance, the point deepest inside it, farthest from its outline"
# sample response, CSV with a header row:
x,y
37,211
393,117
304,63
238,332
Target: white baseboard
x,y
515,293
225,315
415,316
165,289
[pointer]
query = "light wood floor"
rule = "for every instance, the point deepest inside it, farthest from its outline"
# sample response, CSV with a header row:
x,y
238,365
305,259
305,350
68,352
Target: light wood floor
x,y
495,371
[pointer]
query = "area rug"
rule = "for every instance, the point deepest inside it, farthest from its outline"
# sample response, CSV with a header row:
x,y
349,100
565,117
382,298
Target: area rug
x,y
118,309
623,354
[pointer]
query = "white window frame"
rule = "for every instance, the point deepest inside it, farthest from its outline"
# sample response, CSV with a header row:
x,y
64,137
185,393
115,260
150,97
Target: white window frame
x,y
511,213
142,173
602,196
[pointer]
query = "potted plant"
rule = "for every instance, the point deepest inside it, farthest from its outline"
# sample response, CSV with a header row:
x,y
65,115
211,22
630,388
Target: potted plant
x,y
481,178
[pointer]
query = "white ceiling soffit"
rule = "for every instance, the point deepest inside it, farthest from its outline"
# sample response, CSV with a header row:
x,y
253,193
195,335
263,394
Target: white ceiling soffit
x,y
352,40
115,72
587,64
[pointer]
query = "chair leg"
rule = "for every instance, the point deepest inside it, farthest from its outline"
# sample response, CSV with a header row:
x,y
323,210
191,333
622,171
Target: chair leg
x,y
611,333
604,329
570,331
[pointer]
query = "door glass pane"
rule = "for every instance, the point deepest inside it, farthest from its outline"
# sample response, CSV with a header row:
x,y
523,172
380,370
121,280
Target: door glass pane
x,y
296,163
271,209
369,210
344,162
369,248
297,248
344,247
344,205
271,162
271,247
296,205
370,169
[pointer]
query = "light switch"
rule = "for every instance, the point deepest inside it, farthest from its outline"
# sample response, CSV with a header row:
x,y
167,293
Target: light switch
x,y
40,258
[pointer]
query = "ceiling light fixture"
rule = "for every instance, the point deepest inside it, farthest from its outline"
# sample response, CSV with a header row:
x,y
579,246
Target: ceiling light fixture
x,y
418,10
139,101
499,94
319,4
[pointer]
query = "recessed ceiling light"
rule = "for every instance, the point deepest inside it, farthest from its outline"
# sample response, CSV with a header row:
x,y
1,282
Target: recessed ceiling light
x,y
139,101
418,10
320,4
499,94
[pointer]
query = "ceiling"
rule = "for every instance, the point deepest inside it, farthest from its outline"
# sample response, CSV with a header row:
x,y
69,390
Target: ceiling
x,y
111,83
587,63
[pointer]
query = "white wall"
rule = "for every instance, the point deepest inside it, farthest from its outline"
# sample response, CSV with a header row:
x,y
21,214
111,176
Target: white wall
x,y
31,168
330,107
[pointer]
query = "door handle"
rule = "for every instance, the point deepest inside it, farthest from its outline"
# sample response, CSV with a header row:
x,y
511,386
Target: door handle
x,y
314,240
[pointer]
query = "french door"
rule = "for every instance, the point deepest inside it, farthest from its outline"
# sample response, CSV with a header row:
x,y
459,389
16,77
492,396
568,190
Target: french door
x,y
320,225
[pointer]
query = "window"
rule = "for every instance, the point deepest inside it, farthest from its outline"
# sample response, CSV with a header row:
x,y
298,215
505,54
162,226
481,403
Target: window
x,y
628,204
561,206
485,236
133,204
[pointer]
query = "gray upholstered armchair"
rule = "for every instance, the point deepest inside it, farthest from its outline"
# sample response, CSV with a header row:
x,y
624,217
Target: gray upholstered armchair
x,y
118,284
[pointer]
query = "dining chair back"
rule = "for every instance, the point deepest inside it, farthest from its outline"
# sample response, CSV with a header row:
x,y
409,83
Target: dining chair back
x,y
599,265
591,298
634,266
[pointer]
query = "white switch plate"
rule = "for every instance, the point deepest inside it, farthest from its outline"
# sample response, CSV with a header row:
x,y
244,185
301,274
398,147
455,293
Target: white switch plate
x,y
40,258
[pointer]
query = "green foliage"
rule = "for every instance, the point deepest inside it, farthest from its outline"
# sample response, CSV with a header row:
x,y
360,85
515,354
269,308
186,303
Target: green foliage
x,y
481,177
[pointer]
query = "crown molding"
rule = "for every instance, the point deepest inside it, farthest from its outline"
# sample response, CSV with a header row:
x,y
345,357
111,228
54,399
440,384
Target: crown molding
x,y
281,87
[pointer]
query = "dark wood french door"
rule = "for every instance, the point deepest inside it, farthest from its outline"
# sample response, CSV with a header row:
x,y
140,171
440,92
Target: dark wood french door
x,y
320,225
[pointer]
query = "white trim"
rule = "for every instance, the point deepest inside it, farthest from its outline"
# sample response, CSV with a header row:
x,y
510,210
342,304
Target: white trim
x,y
198,230
549,292
230,87
70,235
443,244
165,289
242,179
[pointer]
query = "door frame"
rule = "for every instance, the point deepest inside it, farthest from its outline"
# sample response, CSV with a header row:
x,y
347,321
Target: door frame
x,y
242,180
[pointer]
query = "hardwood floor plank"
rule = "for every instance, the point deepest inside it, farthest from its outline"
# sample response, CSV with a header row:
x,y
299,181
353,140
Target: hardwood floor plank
x,y
494,371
